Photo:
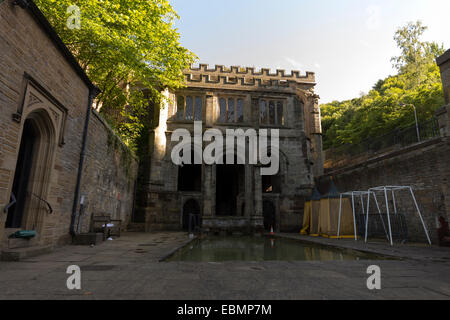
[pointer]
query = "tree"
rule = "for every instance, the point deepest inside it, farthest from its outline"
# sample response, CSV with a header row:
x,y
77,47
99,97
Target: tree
x,y
415,55
123,46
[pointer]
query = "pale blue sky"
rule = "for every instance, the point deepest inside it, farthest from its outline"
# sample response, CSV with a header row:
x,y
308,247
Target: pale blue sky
x,y
348,43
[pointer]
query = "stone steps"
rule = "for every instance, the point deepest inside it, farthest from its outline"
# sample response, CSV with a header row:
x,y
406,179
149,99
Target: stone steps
x,y
16,243
19,254
19,249
19,243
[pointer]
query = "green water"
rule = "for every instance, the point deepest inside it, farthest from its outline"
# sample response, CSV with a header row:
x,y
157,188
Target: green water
x,y
218,249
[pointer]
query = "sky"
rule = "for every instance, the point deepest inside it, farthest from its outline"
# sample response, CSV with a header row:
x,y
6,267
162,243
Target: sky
x,y
347,43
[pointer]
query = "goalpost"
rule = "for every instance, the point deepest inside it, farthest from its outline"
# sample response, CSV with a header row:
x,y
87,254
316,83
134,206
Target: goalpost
x,y
392,189
358,195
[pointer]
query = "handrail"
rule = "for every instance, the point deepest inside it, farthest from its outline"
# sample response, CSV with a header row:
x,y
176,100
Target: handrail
x,y
13,202
46,202
401,137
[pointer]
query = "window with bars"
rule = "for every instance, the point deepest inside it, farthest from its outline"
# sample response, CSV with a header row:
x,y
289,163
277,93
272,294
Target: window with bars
x,y
271,112
231,110
189,108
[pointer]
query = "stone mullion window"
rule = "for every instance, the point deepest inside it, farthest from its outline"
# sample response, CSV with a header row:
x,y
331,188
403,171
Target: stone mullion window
x,y
189,108
231,110
271,112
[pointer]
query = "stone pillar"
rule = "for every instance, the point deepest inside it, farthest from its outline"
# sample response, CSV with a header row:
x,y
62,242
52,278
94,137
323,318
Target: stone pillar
x,y
249,201
255,112
257,219
210,115
208,192
209,197
443,116
444,64
316,137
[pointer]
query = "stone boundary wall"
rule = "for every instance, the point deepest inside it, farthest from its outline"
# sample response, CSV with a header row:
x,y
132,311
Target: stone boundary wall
x,y
38,80
109,176
425,167
43,87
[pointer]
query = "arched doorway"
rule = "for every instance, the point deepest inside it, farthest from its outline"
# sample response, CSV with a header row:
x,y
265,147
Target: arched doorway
x,y
22,175
191,207
32,174
269,214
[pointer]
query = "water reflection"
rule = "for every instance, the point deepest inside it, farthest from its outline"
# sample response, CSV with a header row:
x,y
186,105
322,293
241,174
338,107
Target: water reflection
x,y
217,249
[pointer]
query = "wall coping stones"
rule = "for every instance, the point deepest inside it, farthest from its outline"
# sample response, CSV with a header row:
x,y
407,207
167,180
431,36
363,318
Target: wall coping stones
x,y
247,77
444,58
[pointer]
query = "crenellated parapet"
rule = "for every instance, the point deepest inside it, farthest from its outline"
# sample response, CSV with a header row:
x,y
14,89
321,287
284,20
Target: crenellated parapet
x,y
246,77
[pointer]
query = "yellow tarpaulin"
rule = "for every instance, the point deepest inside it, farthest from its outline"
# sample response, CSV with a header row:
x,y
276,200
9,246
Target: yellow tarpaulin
x,y
329,217
306,219
315,212
311,215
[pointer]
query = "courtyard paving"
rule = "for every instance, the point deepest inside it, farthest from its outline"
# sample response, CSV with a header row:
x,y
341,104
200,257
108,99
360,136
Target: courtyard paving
x,y
130,268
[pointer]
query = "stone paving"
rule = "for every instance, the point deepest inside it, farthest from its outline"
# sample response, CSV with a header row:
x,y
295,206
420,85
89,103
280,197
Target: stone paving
x,y
129,268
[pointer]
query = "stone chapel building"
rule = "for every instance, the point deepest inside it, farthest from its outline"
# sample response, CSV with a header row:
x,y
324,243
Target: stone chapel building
x,y
235,197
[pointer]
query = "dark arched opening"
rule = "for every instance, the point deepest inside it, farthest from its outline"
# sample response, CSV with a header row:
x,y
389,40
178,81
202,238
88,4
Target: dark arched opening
x,y
191,215
22,175
230,183
190,177
269,214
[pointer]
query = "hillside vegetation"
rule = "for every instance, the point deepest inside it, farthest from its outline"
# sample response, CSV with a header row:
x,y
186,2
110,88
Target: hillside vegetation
x,y
388,106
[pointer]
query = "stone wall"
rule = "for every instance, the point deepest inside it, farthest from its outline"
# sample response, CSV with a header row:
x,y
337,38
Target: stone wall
x,y
40,82
444,64
424,166
26,49
109,176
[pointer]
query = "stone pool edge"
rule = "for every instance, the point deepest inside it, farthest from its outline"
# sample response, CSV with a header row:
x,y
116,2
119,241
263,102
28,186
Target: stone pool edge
x,y
413,251
178,248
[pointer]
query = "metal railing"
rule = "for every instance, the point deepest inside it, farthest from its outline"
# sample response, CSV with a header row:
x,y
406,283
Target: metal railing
x,y
13,202
49,207
402,137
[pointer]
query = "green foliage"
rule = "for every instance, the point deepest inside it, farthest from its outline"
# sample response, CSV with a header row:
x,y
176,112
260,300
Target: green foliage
x,y
388,105
123,45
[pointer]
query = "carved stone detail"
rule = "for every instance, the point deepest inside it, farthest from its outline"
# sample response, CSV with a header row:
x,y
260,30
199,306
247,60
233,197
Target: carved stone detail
x,y
33,99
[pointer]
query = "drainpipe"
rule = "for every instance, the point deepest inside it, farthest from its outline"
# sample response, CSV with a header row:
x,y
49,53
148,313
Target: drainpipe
x,y
93,92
